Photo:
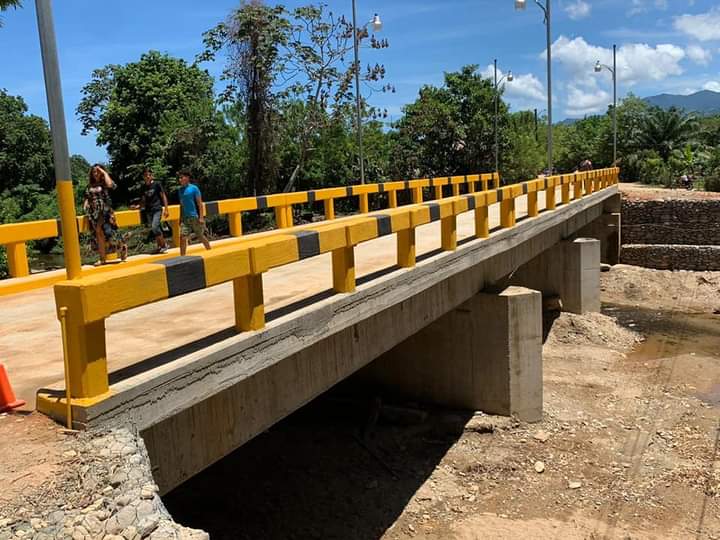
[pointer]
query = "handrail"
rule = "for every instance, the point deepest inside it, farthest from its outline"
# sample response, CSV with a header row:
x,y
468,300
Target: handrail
x,y
89,300
15,235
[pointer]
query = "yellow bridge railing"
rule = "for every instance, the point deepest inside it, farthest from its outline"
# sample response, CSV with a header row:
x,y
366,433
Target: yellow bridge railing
x,y
87,302
14,236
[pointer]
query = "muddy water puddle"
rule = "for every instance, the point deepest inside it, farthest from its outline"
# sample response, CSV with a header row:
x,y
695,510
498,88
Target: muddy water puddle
x,y
688,342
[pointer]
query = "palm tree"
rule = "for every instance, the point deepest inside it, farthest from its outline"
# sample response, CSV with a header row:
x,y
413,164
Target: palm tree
x,y
6,4
665,131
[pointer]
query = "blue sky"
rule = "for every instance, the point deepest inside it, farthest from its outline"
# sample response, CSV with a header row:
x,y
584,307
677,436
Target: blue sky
x,y
664,46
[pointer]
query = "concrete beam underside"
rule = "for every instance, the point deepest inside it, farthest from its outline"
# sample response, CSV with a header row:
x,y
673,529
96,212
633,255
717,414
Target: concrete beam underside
x,y
197,409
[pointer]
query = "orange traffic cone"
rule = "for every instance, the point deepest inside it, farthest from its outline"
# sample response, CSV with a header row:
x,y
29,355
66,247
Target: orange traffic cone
x,y
7,397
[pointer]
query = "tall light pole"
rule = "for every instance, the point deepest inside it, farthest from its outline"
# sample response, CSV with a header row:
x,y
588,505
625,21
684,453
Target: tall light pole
x,y
598,68
520,5
377,26
509,78
61,156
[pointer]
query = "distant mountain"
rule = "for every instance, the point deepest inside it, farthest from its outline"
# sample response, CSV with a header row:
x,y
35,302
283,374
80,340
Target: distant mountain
x,y
705,102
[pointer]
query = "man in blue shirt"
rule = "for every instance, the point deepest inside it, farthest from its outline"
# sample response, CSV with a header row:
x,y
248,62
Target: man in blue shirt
x,y
192,213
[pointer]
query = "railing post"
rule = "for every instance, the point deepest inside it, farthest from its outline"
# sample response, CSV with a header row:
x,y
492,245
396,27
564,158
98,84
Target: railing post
x,y
249,303
550,194
482,222
392,199
507,213
364,203
448,227
329,205
289,219
17,260
87,357
343,267
281,217
175,227
417,195
406,248
565,191
235,222
456,190
438,192
577,187
532,203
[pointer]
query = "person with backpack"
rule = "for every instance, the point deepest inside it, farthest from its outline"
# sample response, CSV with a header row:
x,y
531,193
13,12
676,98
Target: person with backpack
x,y
192,213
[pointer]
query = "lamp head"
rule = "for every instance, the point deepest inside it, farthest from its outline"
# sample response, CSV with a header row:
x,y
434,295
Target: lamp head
x,y
520,5
510,76
377,23
598,67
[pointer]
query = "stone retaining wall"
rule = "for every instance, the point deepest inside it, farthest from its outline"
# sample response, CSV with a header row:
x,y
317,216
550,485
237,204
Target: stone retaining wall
x,y
675,221
672,234
108,494
672,257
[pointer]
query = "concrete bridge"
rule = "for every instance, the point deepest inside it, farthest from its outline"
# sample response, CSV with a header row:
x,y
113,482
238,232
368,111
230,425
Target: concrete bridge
x,y
201,353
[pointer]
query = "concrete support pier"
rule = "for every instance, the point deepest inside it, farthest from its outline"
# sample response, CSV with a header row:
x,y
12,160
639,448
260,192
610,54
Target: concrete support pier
x,y
484,355
570,270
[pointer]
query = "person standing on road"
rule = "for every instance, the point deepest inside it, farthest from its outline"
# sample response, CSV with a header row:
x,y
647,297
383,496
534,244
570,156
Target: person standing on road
x,y
192,218
155,203
101,217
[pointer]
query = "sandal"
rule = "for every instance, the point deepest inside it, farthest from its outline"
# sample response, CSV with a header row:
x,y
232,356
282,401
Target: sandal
x,y
123,253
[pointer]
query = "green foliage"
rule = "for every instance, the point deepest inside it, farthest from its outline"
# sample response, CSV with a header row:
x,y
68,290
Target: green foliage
x,y
156,112
449,130
526,156
6,4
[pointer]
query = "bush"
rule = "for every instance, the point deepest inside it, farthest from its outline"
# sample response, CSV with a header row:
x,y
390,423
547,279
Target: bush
x,y
4,271
712,181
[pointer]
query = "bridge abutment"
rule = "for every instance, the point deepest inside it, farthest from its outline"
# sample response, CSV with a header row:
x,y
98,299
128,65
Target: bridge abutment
x,y
484,355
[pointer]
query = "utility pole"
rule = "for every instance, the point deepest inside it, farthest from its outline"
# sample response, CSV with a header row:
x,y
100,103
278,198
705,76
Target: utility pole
x,y
61,155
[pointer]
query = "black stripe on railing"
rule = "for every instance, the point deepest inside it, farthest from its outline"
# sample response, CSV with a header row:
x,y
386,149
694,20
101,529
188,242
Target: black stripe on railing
x,y
470,201
384,225
261,202
212,208
184,274
434,210
308,243
311,197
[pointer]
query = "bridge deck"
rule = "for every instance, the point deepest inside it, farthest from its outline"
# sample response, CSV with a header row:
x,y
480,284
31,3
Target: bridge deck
x,y
31,349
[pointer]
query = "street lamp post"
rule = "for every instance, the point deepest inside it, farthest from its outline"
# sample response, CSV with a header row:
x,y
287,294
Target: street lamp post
x,y
377,26
598,68
520,5
509,77
61,156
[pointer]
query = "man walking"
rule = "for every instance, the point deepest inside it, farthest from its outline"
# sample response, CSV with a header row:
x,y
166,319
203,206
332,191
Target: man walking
x,y
155,203
192,213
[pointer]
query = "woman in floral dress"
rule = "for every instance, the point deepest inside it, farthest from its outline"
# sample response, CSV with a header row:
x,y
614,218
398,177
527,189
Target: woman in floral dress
x,y
98,209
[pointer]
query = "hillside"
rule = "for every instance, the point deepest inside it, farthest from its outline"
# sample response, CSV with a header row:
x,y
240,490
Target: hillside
x,y
705,102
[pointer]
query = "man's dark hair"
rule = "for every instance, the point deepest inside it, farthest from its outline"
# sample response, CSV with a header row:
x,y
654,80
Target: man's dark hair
x,y
185,172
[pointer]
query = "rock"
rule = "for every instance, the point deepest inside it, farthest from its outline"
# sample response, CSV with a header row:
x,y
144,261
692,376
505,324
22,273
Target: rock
x,y
479,425
37,524
126,517
130,533
147,525
541,436
145,508
92,524
112,537
56,517
79,533
574,484
70,454
123,500
118,478
539,467
605,267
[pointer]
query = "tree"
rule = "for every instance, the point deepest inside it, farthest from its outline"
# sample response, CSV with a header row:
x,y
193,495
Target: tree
x,y
252,36
449,130
7,4
665,131
289,72
25,146
156,112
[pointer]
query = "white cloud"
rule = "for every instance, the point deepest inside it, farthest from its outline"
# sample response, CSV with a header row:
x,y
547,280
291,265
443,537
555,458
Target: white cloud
x,y
643,6
703,27
578,10
636,62
698,55
582,102
712,85
525,89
